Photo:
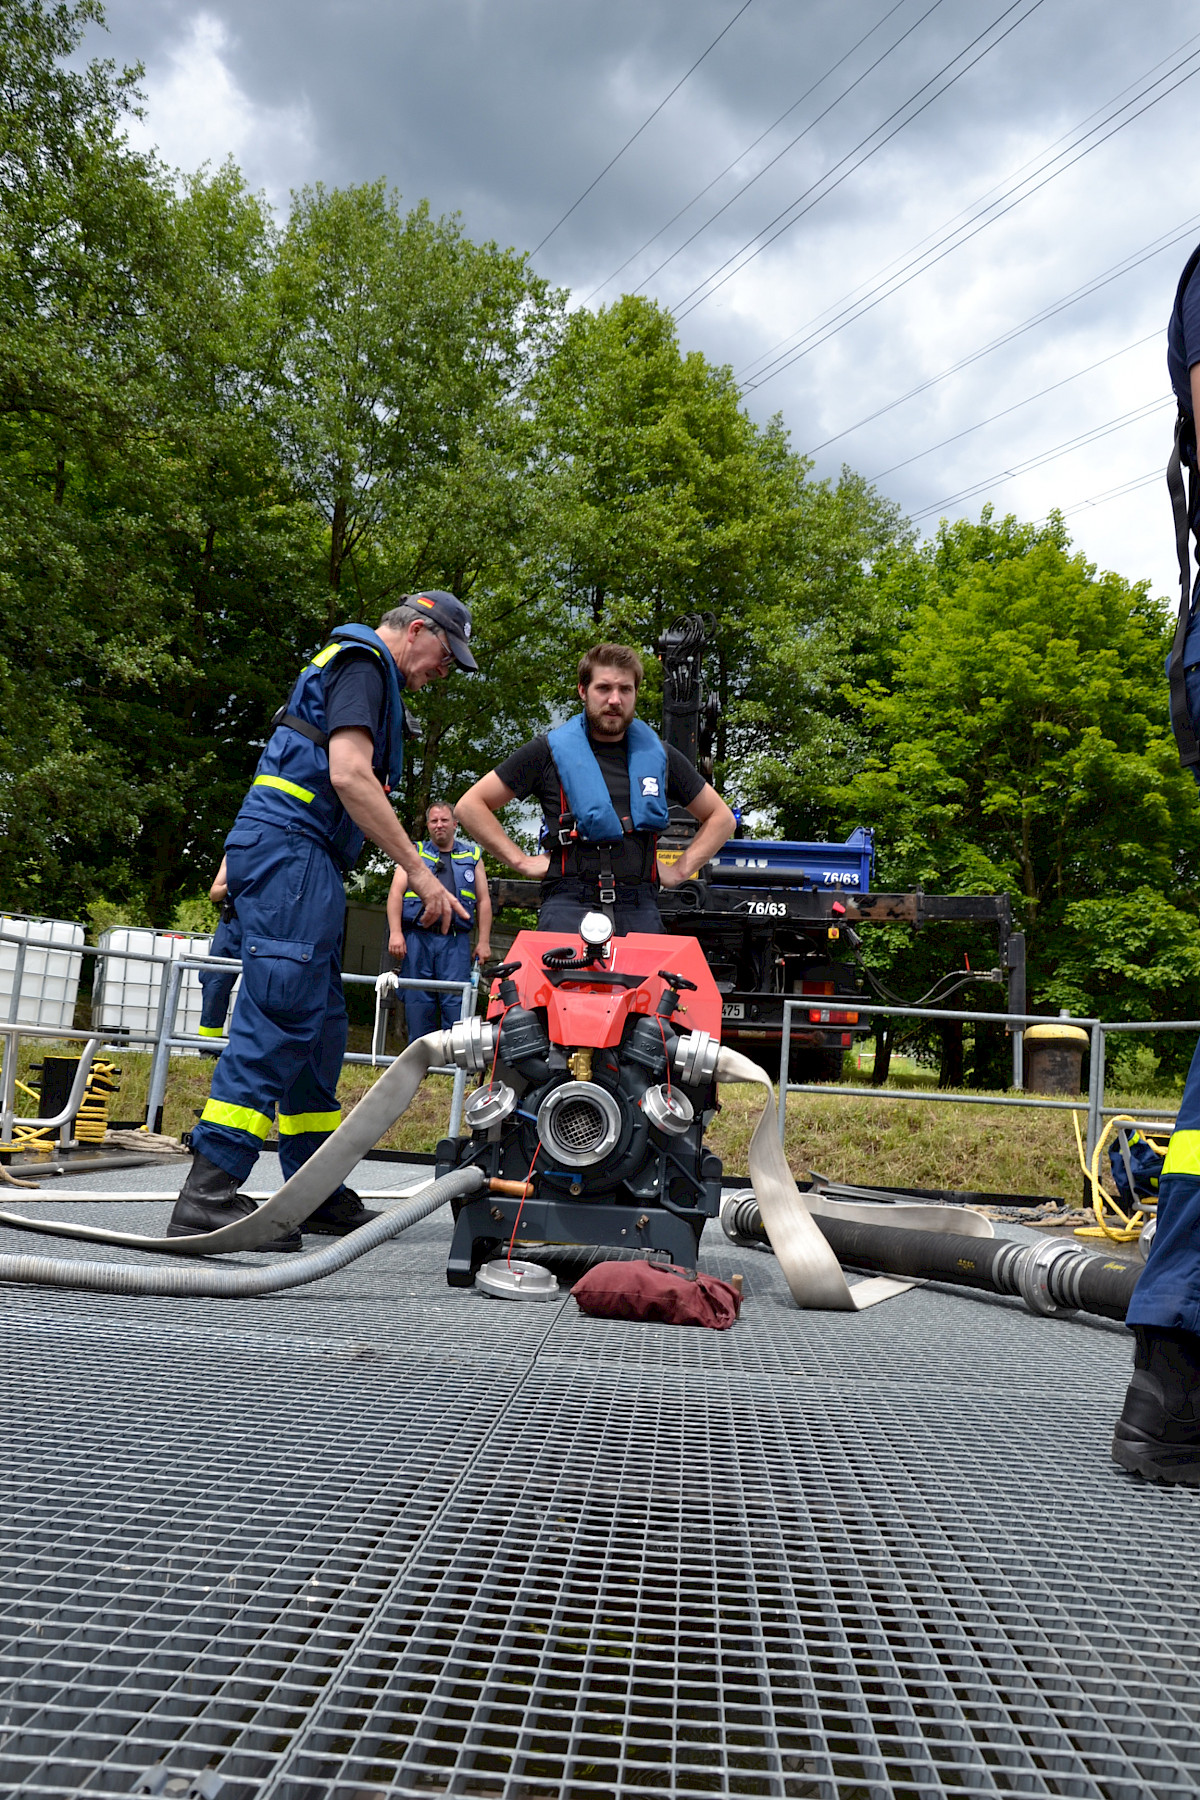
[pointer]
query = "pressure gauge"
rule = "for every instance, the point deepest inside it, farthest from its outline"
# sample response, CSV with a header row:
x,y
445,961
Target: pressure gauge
x,y
595,929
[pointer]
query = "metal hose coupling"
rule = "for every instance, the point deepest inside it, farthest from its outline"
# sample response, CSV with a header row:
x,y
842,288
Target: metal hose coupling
x,y
695,1057
470,1045
741,1220
1045,1275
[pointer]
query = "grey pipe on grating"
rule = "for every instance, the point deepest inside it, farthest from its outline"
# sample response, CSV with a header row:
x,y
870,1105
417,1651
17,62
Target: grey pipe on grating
x,y
1050,1277
196,1277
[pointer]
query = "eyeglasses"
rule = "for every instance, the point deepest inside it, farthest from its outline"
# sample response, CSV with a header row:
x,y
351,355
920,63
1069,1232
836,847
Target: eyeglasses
x,y
443,640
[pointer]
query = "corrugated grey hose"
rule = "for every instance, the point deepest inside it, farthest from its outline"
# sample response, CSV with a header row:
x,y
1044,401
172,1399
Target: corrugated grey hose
x,y
321,1176
239,1283
813,1272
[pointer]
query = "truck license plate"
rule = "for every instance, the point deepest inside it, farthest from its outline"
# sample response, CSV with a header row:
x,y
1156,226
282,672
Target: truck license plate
x,y
733,1009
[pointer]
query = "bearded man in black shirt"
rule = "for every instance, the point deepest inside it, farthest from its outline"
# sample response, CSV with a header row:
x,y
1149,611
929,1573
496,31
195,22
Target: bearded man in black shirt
x,y
605,782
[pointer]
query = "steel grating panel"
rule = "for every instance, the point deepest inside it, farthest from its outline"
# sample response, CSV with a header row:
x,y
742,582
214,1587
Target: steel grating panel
x,y
396,1298
401,1541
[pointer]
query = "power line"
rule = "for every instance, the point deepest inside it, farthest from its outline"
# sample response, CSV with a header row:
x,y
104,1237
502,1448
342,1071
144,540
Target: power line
x,y
710,282
1016,406
899,264
811,126
1124,267
696,198
852,314
1091,436
647,121
1127,487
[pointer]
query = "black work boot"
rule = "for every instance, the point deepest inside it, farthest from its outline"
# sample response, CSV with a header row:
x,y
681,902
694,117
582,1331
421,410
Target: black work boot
x,y
342,1212
209,1199
1158,1433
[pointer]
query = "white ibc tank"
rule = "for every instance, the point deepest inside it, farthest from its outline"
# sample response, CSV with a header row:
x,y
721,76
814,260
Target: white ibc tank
x,y
128,991
50,976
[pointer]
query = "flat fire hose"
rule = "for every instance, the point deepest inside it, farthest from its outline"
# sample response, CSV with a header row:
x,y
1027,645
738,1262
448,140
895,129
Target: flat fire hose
x,y
321,1176
810,1267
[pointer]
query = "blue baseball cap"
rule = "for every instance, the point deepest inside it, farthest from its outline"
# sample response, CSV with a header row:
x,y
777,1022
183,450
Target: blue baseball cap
x,y
450,613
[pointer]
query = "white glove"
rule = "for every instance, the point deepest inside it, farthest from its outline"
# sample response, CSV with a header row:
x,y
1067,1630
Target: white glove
x,y
387,983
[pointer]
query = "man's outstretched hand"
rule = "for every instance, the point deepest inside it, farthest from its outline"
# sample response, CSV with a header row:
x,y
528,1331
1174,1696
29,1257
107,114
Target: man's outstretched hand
x,y
441,907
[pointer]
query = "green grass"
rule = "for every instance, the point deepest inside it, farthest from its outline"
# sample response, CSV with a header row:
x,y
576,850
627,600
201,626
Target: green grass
x,y
901,1143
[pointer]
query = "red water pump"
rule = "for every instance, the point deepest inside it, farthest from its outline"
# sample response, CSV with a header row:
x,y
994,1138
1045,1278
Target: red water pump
x,y
596,1064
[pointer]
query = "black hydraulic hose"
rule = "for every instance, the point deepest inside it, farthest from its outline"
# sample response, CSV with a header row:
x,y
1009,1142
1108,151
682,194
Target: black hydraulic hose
x,y
1050,1277
204,1277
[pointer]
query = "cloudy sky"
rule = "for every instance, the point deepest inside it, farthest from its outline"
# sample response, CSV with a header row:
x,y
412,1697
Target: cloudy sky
x,y
900,221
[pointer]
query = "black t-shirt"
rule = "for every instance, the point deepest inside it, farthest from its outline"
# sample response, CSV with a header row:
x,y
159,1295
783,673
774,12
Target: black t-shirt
x,y
354,691
531,774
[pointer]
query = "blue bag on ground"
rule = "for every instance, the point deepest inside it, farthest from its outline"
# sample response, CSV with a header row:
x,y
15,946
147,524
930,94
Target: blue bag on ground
x,y
1145,1165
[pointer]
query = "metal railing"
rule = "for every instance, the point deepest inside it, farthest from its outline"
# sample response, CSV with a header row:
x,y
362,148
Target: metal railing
x,y
169,1039
1098,1031
162,1037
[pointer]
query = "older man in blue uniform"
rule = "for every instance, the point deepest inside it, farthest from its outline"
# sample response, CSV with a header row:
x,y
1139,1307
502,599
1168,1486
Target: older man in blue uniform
x,y
321,788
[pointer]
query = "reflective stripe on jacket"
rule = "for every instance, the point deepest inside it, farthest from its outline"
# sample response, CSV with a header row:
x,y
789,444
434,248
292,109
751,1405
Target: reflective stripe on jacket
x,y
464,859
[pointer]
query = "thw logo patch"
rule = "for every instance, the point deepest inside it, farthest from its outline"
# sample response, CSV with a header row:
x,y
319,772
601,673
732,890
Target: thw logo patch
x,y
650,785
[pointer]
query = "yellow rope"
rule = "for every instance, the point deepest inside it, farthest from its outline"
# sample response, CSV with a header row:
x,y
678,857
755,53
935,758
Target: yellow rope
x,y
1130,1227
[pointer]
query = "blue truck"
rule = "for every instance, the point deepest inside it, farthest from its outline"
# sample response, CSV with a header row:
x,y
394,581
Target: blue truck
x,y
779,919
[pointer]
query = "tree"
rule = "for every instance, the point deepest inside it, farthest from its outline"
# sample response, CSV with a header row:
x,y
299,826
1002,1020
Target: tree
x,y
1020,740
660,496
83,256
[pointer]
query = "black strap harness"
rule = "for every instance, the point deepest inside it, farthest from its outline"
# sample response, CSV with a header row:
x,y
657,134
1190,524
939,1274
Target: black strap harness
x,y
572,846
1183,455
283,717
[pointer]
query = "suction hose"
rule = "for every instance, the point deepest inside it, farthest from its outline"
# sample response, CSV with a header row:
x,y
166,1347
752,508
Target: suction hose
x,y
323,1173
786,1216
241,1283
1050,1278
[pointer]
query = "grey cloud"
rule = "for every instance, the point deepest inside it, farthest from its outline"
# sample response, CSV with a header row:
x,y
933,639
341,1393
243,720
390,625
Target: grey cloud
x,y
505,112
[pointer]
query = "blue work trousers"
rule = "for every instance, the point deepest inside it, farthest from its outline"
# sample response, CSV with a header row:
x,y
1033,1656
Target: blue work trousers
x,y
216,985
1168,1293
287,1036
1191,684
432,957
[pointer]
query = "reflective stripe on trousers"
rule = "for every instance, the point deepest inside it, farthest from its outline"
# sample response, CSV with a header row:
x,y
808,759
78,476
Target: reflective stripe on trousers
x,y
287,1035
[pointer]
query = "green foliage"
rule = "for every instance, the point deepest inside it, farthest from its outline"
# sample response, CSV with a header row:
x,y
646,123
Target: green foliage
x,y
220,436
107,915
1019,743
196,916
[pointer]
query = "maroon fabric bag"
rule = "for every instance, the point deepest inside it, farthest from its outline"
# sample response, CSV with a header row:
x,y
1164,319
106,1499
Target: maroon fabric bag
x,y
642,1290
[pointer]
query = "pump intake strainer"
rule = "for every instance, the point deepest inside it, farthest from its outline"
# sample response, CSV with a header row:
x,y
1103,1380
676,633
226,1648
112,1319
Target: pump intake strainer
x,y
579,1123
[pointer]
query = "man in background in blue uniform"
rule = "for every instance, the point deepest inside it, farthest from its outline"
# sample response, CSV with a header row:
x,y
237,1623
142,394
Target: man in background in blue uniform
x,y
321,787
439,955
1158,1434
216,985
605,782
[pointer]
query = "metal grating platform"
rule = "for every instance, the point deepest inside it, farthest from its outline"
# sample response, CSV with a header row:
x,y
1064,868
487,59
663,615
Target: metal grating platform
x,y
379,1538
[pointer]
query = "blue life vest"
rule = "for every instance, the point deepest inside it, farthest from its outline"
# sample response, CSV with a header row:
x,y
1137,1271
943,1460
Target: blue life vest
x,y
582,779
291,786
464,859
